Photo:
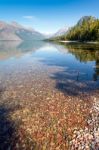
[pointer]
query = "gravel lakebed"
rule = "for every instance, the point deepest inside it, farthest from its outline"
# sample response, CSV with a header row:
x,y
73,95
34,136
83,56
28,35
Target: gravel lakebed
x,y
45,108
42,118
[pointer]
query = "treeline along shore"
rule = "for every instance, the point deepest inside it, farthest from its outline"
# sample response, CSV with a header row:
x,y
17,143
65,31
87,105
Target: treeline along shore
x,y
86,30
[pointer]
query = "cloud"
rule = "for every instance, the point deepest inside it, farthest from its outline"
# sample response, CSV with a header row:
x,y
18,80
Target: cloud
x,y
29,17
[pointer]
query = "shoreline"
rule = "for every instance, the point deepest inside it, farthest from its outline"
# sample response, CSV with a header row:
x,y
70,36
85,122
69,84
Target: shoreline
x,y
79,42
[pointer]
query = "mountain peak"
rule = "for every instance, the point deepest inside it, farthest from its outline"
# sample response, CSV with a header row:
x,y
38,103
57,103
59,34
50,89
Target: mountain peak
x,y
86,18
15,31
61,31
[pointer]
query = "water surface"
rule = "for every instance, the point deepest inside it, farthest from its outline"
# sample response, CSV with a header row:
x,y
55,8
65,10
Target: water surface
x,y
73,67
46,93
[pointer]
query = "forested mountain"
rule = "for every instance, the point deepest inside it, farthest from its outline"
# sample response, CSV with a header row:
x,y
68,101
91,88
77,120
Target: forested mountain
x,y
87,29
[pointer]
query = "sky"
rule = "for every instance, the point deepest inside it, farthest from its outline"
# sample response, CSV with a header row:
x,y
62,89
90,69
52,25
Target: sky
x,y
47,16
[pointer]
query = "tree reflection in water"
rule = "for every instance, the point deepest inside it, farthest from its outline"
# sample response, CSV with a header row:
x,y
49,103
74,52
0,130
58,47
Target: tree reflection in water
x,y
84,53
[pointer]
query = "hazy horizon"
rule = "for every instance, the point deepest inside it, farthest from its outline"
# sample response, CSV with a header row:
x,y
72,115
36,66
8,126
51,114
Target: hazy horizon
x,y
47,16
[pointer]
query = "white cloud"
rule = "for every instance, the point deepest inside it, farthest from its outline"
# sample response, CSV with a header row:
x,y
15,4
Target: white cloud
x,y
29,17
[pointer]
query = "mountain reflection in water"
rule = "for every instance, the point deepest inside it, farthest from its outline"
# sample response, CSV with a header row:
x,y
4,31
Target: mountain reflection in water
x,y
76,63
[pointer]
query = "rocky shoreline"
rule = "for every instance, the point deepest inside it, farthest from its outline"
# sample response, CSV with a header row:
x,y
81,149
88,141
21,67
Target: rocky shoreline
x,y
88,138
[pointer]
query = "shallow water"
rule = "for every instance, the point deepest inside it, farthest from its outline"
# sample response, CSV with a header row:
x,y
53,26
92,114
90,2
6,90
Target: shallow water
x,y
70,66
46,91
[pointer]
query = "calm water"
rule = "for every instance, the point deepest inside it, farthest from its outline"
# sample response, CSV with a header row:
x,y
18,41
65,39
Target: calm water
x,y
46,90
67,67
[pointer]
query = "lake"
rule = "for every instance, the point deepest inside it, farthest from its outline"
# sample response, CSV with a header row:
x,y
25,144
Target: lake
x,y
73,67
46,92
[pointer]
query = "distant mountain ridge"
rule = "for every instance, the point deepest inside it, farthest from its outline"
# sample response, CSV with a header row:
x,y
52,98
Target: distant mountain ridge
x,y
61,31
15,31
